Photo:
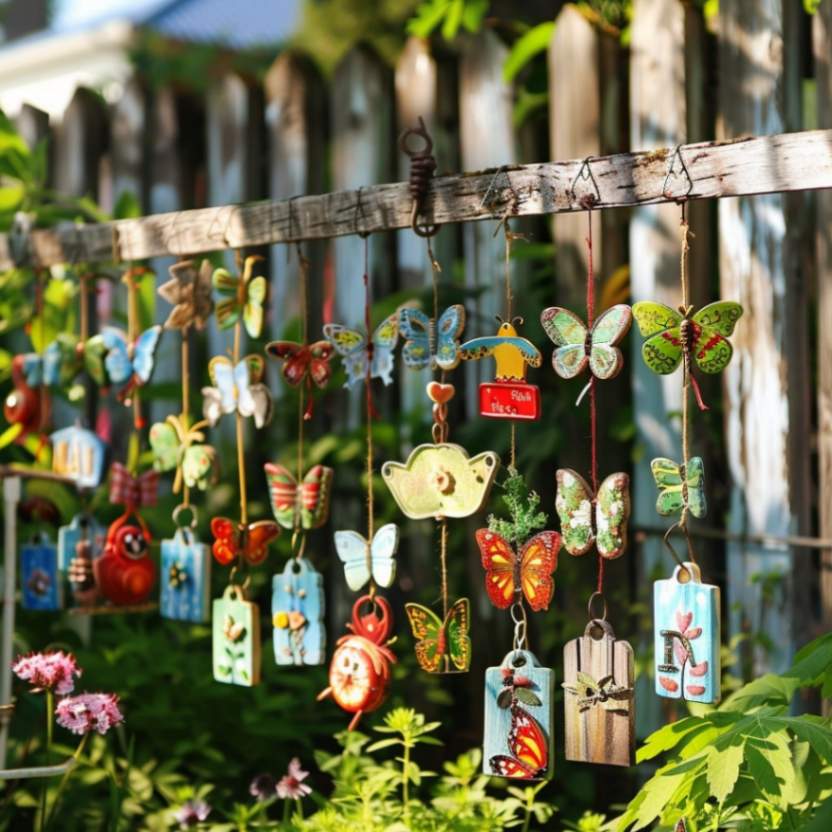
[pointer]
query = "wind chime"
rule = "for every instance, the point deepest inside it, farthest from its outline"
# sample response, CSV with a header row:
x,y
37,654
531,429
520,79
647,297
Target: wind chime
x,y
238,388
178,445
519,556
686,611
438,480
598,668
300,503
360,668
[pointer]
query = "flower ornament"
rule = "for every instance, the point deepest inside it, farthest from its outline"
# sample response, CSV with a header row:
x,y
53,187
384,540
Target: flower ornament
x,y
683,622
191,813
177,575
55,671
291,785
233,630
89,712
189,290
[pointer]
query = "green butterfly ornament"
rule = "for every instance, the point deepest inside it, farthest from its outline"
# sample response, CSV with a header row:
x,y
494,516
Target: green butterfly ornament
x,y
178,447
681,488
587,519
671,333
241,296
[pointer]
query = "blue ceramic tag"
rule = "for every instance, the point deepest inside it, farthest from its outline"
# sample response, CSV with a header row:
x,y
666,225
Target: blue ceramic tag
x,y
298,614
185,578
40,580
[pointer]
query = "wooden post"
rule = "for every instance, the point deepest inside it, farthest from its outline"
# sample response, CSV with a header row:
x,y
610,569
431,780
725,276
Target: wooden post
x,y
128,128
822,37
487,141
766,412
657,119
33,125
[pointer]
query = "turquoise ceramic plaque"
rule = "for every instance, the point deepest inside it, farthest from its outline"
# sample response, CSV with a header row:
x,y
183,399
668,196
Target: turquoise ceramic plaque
x,y
82,526
686,635
298,614
186,578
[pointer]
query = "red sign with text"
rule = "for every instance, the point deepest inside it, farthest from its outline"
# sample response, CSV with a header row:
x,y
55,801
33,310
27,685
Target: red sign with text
x,y
510,400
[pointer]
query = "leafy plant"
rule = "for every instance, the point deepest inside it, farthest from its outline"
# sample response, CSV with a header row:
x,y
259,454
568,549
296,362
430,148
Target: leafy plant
x,y
748,764
522,505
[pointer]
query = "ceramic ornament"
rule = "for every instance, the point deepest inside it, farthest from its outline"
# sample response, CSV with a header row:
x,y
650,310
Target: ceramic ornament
x,y
183,449
429,342
249,541
441,481
64,357
185,578
81,527
241,298
298,614
519,726
189,292
360,669
303,505
303,363
442,645
686,630
236,638
681,488
670,334
360,355
578,348
40,579
25,408
509,396
599,703
128,364
78,453
237,388
588,520
125,573
364,560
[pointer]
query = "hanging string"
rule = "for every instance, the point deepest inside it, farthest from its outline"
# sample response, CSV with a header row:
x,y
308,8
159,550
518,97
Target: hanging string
x,y
509,237
42,403
303,265
186,400
368,400
132,336
241,460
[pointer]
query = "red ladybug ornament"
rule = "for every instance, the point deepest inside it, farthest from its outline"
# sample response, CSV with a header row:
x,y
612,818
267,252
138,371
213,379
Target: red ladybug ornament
x,y
359,673
125,574
24,405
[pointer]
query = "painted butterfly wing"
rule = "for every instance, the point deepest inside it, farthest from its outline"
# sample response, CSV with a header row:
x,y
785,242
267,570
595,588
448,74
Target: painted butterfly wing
x,y
653,317
385,339
668,479
144,352
478,348
457,625
568,333
612,510
721,316
257,538
60,360
715,323
352,551
94,351
426,627
256,292
448,329
538,560
33,369
164,441
605,358
528,747
498,561
314,496
663,353
573,503
415,329
199,466
351,345
382,554
228,307
695,480
117,358
226,540
296,358
320,369
283,493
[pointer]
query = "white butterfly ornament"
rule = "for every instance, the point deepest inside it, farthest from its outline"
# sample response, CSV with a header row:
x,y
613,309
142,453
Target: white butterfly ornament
x,y
364,560
237,388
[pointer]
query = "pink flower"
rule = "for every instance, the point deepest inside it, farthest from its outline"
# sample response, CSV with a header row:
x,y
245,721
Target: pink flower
x,y
48,671
191,813
291,785
89,712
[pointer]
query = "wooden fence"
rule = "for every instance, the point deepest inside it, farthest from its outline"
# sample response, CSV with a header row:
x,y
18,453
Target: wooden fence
x,y
298,135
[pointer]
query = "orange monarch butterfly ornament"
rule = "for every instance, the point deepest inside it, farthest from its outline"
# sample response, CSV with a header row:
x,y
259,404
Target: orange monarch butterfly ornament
x,y
249,540
360,670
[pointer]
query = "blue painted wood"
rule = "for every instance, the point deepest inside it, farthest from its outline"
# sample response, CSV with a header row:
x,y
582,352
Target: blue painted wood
x,y
686,620
298,614
185,578
505,708
40,581
82,525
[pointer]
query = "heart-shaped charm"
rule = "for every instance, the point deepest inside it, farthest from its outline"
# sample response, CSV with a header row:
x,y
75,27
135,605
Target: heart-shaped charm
x,y
440,393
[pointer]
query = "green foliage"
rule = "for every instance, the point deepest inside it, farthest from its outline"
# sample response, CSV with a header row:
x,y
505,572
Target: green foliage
x,y
449,16
749,763
531,43
522,505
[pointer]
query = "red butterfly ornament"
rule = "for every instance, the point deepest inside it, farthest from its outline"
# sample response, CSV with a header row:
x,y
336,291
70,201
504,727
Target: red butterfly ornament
x,y
249,541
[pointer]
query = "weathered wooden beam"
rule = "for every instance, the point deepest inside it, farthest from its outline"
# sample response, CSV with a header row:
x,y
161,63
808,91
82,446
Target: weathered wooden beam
x,y
742,167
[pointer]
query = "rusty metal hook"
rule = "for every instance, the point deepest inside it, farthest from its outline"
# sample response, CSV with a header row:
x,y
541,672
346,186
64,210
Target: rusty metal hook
x,y
585,174
671,171
422,168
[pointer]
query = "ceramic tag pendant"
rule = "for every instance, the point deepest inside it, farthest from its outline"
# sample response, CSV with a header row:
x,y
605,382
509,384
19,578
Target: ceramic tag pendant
x,y
686,635
81,527
78,453
185,578
509,396
359,673
298,614
598,697
236,638
519,727
40,579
